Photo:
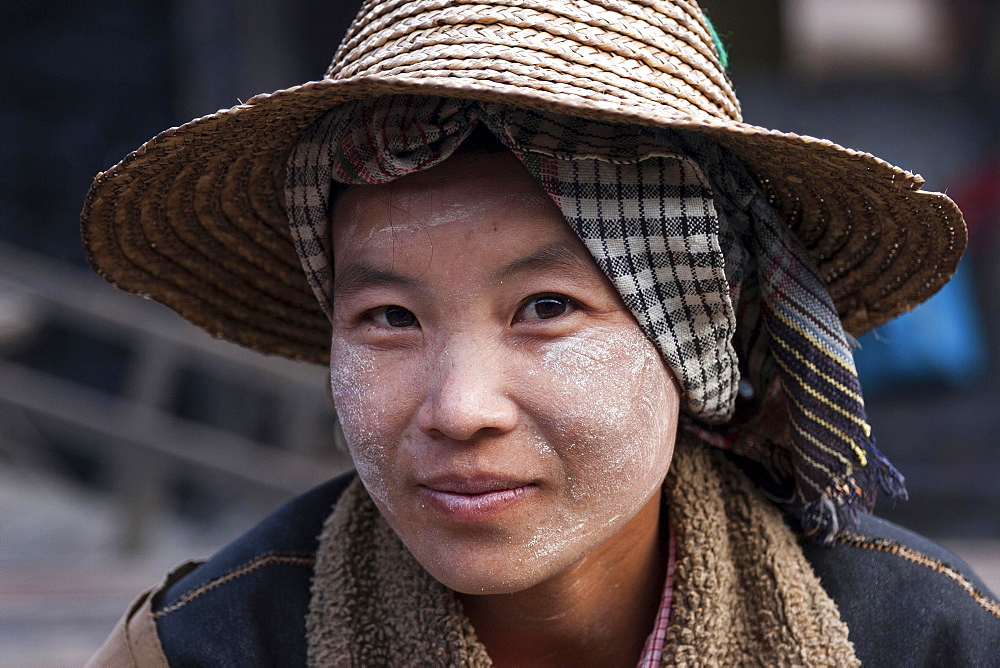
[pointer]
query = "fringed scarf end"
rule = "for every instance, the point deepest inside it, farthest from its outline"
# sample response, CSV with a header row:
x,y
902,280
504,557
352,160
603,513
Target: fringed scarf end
x,y
840,507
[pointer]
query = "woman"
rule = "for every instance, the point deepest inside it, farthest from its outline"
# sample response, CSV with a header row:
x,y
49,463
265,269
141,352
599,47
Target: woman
x,y
586,334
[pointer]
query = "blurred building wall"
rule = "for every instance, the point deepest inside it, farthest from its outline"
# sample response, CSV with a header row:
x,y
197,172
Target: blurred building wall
x,y
914,81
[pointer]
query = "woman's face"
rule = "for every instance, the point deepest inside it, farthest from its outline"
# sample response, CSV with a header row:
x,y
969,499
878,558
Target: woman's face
x,y
502,406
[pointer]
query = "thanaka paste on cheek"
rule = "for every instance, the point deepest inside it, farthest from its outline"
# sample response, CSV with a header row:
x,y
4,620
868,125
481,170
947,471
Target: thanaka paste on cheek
x,y
352,372
617,406
582,421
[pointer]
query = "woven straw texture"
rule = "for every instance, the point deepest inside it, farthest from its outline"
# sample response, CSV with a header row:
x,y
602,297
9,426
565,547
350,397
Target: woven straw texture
x,y
195,218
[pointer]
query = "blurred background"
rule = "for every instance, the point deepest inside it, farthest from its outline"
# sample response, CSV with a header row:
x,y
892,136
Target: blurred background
x,y
130,441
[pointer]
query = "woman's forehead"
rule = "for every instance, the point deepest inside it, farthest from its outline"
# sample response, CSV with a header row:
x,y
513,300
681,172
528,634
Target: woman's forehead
x,y
463,189
476,219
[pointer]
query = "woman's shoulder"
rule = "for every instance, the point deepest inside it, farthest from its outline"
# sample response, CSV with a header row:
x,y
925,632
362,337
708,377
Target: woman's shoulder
x,y
906,599
244,606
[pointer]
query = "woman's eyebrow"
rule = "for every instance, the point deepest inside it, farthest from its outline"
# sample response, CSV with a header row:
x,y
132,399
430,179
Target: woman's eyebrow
x,y
358,275
555,256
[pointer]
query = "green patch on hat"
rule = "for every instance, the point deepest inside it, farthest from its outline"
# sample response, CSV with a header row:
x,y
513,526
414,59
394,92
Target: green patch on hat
x,y
720,49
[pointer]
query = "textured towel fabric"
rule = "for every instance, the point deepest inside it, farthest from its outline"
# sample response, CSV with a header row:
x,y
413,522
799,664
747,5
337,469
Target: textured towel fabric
x,y
684,232
743,593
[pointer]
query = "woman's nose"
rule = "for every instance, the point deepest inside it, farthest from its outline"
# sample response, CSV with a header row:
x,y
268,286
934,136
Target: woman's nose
x,y
467,396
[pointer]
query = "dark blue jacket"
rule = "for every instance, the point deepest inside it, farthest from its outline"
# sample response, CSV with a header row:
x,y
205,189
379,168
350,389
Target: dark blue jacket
x,y
906,600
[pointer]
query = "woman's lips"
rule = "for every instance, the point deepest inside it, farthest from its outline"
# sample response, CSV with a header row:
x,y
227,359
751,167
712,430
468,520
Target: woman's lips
x,y
471,500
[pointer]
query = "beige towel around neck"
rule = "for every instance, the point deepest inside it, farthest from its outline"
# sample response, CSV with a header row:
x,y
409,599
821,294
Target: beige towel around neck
x,y
744,593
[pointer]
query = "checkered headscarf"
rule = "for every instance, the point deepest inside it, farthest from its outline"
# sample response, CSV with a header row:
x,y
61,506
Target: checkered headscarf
x,y
683,231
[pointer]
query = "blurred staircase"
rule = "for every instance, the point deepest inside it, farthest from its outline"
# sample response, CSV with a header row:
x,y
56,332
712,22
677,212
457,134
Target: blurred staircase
x,y
134,422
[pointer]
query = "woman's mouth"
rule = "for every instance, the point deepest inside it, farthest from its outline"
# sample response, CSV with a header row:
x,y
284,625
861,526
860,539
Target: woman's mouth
x,y
473,499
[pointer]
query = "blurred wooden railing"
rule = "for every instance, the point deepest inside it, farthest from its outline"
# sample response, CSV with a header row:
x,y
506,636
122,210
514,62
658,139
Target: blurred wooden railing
x,y
134,431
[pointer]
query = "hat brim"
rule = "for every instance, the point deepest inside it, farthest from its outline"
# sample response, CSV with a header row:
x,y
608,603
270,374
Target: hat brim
x,y
195,218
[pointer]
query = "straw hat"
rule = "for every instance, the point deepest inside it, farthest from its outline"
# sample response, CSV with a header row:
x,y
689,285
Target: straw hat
x,y
195,218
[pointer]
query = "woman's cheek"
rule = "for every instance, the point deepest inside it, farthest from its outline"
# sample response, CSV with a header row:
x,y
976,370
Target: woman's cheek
x,y
365,411
617,401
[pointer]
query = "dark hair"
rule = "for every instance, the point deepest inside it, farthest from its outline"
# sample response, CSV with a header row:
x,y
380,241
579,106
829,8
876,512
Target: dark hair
x,y
480,142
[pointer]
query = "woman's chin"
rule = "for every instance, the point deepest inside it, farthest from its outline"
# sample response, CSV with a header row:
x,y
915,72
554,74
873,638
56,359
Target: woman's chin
x,y
476,585
467,572
493,584
486,569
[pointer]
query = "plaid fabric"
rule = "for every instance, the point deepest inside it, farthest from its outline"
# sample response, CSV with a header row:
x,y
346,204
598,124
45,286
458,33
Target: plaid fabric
x,y
650,224
648,219
837,468
307,198
643,201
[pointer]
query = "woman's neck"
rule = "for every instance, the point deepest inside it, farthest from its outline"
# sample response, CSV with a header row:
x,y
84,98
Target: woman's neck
x,y
596,613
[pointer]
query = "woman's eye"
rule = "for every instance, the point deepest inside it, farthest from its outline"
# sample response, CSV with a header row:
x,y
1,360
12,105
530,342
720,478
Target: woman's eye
x,y
544,307
393,316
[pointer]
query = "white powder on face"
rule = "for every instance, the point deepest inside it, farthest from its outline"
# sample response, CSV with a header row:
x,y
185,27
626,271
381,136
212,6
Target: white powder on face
x,y
615,407
352,373
553,540
593,428
612,381
435,206
602,412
